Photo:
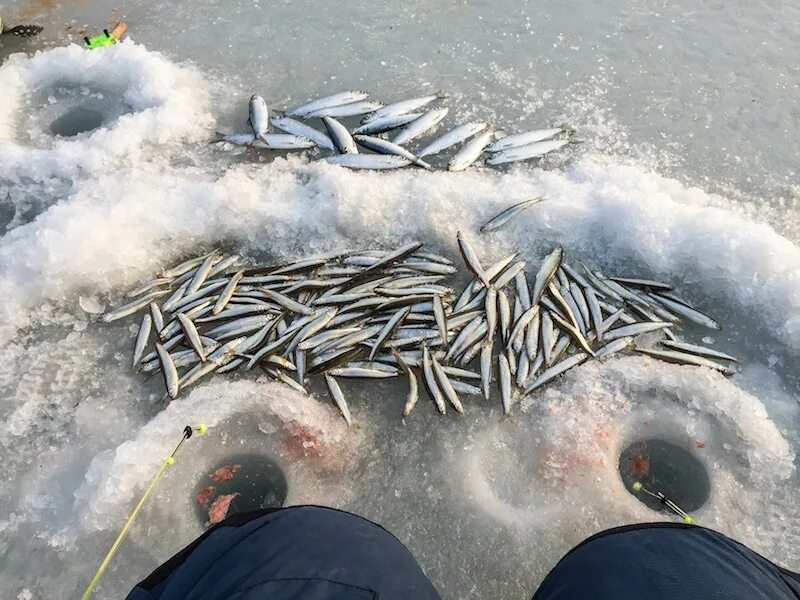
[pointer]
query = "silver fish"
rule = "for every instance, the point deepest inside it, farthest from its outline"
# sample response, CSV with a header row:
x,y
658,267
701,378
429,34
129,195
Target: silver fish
x,y
226,293
141,338
534,150
523,139
421,125
595,312
157,318
132,307
302,130
201,274
471,258
688,313
388,330
374,162
441,320
647,284
506,215
363,372
486,368
338,398
340,136
353,109
684,358
504,370
546,272
452,137
430,381
413,388
170,373
259,115
532,336
326,102
556,370
382,146
191,333
385,123
635,329
186,266
283,141
470,152
699,350
445,386
148,286
402,107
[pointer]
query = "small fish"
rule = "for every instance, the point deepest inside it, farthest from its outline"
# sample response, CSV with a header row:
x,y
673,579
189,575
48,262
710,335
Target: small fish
x,y
282,141
470,152
506,215
155,314
338,99
413,388
646,284
142,338
148,286
421,125
388,330
635,329
201,274
385,123
258,115
486,368
471,258
441,319
523,139
132,307
401,108
504,370
688,313
191,333
226,293
340,136
535,150
368,161
699,350
556,370
338,398
430,381
546,272
353,109
452,137
169,371
445,386
302,130
382,146
684,358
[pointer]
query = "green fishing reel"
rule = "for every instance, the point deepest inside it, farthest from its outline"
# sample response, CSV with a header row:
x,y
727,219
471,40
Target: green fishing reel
x,y
99,41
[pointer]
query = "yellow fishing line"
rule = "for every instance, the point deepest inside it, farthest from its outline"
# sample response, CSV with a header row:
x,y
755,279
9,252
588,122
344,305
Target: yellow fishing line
x,y
187,433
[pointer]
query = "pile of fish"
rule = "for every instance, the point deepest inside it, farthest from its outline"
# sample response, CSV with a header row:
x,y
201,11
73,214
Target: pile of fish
x,y
380,314
400,119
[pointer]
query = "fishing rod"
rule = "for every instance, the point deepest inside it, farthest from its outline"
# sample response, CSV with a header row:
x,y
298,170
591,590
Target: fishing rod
x,y
638,487
170,460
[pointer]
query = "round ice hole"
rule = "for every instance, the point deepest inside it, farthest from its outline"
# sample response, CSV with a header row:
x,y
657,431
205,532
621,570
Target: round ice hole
x,y
78,120
241,483
663,467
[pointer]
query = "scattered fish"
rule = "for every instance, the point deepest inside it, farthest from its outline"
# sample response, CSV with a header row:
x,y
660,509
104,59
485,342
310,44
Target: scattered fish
x,y
375,314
